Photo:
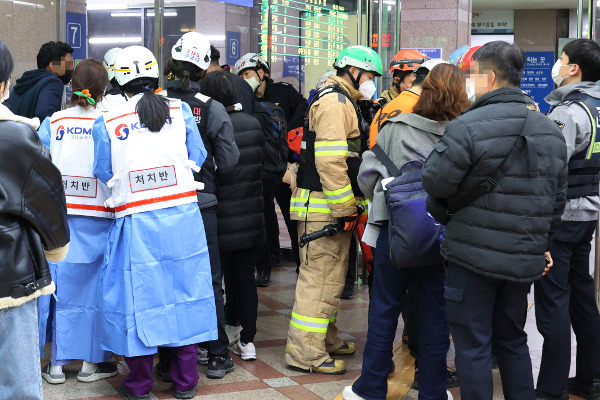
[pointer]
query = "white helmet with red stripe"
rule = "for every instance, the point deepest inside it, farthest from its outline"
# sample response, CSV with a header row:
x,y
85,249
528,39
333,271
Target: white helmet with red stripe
x,y
135,62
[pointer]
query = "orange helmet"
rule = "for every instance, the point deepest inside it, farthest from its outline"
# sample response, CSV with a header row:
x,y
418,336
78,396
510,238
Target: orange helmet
x,y
407,60
465,61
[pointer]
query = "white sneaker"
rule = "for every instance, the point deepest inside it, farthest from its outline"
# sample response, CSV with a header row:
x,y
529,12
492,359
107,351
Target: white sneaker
x,y
348,394
202,356
450,397
246,351
233,333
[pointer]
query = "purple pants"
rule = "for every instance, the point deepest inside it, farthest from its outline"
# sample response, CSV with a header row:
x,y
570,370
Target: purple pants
x,y
183,371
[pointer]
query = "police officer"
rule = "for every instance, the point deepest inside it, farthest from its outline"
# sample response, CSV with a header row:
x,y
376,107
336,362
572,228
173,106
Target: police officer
x,y
190,57
565,296
327,192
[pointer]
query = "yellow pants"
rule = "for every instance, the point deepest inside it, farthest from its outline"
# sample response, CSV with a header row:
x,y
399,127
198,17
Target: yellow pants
x,y
312,333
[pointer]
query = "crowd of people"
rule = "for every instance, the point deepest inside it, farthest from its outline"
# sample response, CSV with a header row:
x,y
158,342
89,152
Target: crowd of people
x,y
123,214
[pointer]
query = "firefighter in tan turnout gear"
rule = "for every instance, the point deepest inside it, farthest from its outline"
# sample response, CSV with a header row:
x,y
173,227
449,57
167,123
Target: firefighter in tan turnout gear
x,y
327,193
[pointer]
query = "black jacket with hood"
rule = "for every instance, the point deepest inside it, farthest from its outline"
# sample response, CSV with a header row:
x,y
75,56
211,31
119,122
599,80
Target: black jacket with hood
x,y
504,233
38,93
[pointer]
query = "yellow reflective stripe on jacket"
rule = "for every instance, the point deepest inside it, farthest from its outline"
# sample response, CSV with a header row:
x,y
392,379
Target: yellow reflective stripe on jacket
x,y
365,204
339,196
298,204
334,316
354,145
331,148
309,324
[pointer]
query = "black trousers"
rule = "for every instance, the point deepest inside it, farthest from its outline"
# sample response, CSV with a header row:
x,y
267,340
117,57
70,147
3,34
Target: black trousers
x,y
565,298
271,247
240,288
351,274
481,310
283,195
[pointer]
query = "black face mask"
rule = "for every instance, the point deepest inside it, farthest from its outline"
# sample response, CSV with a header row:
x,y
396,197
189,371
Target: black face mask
x,y
66,78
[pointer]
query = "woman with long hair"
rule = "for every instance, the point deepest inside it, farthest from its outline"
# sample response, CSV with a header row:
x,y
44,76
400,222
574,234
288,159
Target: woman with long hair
x,y
71,322
157,286
407,137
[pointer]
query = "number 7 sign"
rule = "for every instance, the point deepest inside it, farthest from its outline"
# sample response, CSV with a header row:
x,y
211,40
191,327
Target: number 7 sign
x,y
74,35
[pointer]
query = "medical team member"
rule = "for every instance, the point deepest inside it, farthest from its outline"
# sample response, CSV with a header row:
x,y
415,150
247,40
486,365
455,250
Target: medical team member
x,y
69,319
157,286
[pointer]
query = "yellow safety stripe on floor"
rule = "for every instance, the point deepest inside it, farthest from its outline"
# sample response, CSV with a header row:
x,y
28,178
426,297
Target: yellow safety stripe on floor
x,y
309,324
334,316
339,196
331,148
400,381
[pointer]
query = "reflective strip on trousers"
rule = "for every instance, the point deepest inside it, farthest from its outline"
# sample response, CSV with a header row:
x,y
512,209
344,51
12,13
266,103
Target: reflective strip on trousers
x,y
331,148
334,316
340,195
309,324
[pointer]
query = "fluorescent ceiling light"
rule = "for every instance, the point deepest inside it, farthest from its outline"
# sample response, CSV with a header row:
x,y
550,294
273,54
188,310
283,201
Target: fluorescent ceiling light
x,y
27,3
108,7
119,39
139,14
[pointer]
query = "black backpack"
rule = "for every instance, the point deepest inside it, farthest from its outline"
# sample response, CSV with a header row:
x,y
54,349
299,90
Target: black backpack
x,y
274,126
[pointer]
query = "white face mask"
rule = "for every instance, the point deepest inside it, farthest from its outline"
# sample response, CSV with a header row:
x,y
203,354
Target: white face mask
x,y
367,89
471,89
253,82
556,73
6,93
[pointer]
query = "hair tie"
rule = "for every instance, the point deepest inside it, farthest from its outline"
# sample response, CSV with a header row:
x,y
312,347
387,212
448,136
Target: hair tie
x,y
86,93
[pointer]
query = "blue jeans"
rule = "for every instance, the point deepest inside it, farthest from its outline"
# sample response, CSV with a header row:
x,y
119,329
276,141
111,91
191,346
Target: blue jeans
x,y
389,288
20,376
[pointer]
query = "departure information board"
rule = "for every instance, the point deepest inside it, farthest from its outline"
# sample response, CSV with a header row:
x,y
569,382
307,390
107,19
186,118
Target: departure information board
x,y
306,32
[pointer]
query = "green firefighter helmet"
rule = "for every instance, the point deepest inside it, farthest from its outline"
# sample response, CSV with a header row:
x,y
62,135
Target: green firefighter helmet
x,y
360,57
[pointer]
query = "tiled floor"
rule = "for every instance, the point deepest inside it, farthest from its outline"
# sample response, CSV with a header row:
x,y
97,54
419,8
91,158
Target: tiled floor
x,y
268,378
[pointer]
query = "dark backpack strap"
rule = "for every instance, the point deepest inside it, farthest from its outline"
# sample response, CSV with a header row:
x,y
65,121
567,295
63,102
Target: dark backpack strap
x,y
492,181
385,160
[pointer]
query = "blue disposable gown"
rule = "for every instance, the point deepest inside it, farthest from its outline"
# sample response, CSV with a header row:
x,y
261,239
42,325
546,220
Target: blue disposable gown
x,y
76,302
157,284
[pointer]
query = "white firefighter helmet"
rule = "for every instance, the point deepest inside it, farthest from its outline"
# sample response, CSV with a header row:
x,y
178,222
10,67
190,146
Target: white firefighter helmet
x,y
429,64
109,61
135,62
250,60
193,47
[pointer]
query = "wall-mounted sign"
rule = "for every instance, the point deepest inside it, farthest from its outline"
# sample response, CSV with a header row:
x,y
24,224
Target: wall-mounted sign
x,y
433,53
493,21
537,77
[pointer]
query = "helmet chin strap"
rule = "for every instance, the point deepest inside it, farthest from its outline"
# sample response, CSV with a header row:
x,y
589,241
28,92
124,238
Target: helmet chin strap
x,y
356,81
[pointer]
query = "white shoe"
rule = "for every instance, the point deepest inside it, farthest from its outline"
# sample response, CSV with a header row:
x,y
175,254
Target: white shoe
x,y
233,333
246,351
103,370
348,394
450,397
202,356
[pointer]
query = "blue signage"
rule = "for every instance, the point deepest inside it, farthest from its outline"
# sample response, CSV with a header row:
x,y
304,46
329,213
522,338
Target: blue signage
x,y
77,39
294,67
433,53
537,77
234,42
245,3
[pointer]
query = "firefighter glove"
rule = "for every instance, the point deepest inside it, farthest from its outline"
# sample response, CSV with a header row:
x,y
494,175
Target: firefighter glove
x,y
350,222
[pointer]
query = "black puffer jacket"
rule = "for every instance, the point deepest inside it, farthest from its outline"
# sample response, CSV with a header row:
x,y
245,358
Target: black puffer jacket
x,y
240,215
504,233
33,214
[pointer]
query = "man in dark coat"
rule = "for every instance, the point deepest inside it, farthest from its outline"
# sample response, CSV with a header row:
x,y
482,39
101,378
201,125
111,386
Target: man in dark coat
x,y
39,92
494,247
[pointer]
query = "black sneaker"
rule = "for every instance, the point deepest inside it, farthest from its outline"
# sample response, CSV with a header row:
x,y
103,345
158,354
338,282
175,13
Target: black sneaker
x,y
588,391
451,379
128,396
348,293
188,394
219,366
263,278
541,395
163,371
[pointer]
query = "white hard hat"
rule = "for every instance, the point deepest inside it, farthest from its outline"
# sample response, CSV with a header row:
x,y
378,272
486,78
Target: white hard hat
x,y
429,64
250,60
323,80
109,61
193,47
135,62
